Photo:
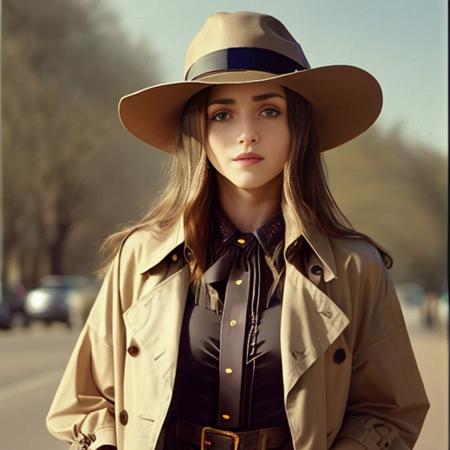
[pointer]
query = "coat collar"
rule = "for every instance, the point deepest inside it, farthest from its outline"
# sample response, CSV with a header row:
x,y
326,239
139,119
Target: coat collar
x,y
153,252
316,238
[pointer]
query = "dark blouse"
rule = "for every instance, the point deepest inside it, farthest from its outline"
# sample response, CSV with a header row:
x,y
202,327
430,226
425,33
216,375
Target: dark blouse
x,y
229,364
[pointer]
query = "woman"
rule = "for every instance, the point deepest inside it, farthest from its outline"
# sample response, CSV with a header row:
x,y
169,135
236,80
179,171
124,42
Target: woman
x,y
243,312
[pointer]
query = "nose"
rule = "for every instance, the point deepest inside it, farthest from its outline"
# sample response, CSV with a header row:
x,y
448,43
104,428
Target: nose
x,y
248,135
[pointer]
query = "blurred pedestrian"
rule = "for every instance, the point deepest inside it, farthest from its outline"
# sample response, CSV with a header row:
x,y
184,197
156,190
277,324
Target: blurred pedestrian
x,y
20,290
430,309
243,311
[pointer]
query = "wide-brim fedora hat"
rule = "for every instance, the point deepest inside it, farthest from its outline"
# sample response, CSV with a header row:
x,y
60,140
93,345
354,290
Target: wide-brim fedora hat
x,y
248,47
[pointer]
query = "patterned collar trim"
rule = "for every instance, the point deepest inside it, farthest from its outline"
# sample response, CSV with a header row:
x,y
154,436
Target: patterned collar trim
x,y
268,235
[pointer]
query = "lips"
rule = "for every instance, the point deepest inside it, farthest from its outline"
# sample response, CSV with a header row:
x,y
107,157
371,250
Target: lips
x,y
248,156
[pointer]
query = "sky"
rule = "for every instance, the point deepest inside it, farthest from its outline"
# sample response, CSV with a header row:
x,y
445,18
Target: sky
x,y
403,43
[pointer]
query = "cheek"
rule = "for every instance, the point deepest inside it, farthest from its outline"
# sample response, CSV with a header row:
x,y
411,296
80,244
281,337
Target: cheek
x,y
212,152
281,140
213,144
218,145
216,157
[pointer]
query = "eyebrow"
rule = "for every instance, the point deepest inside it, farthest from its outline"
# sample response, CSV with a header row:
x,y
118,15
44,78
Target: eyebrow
x,y
256,98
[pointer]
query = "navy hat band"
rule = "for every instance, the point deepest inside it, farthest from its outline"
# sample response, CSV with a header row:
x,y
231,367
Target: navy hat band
x,y
243,58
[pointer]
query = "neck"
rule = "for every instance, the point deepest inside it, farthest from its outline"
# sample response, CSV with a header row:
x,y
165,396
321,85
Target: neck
x,y
248,209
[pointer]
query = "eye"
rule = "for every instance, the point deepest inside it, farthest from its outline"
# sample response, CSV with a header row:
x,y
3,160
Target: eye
x,y
270,112
220,116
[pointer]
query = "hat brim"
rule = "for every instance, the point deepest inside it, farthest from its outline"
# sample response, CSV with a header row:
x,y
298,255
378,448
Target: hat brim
x,y
346,101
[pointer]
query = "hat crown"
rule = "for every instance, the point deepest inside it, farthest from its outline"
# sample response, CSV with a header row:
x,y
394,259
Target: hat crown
x,y
226,30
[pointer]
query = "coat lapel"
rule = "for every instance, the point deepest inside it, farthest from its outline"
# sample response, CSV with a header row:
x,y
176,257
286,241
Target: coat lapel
x,y
310,322
156,319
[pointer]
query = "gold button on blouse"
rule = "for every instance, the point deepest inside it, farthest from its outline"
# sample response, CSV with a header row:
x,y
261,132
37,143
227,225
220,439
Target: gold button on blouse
x,y
241,241
226,416
238,282
228,370
174,257
232,323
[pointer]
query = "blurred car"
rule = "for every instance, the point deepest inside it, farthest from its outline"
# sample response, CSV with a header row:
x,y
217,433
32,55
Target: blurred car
x,y
5,313
12,307
62,298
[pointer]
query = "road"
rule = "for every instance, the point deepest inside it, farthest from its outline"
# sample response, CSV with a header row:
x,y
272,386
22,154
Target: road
x,y
431,350
32,362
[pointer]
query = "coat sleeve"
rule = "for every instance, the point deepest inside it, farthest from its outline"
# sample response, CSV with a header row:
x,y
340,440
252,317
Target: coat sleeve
x,y
387,403
82,411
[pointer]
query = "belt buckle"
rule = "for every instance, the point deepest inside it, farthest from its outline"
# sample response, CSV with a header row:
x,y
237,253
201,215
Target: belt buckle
x,y
226,433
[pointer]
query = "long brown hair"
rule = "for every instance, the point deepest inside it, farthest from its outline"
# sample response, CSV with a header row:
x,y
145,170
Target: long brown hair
x,y
191,185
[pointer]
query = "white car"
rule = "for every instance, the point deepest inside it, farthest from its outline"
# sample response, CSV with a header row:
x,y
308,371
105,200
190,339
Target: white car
x,y
62,298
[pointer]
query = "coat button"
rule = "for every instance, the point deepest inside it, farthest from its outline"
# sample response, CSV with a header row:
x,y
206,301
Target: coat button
x,y
339,356
188,255
133,350
316,270
123,417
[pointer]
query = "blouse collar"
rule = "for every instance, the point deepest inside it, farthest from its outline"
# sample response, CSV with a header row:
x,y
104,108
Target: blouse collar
x,y
268,235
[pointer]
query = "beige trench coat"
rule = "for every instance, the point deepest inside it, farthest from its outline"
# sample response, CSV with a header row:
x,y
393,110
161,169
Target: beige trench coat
x,y
350,378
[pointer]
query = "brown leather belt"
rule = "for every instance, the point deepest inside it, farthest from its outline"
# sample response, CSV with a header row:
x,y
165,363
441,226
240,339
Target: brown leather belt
x,y
208,438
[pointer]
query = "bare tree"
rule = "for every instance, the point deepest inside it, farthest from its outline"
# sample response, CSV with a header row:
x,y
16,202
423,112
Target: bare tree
x,y
395,191
61,87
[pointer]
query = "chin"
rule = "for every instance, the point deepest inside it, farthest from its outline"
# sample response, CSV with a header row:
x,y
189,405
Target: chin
x,y
250,181
249,185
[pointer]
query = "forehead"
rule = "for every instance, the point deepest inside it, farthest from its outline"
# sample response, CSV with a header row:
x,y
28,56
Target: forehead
x,y
244,91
